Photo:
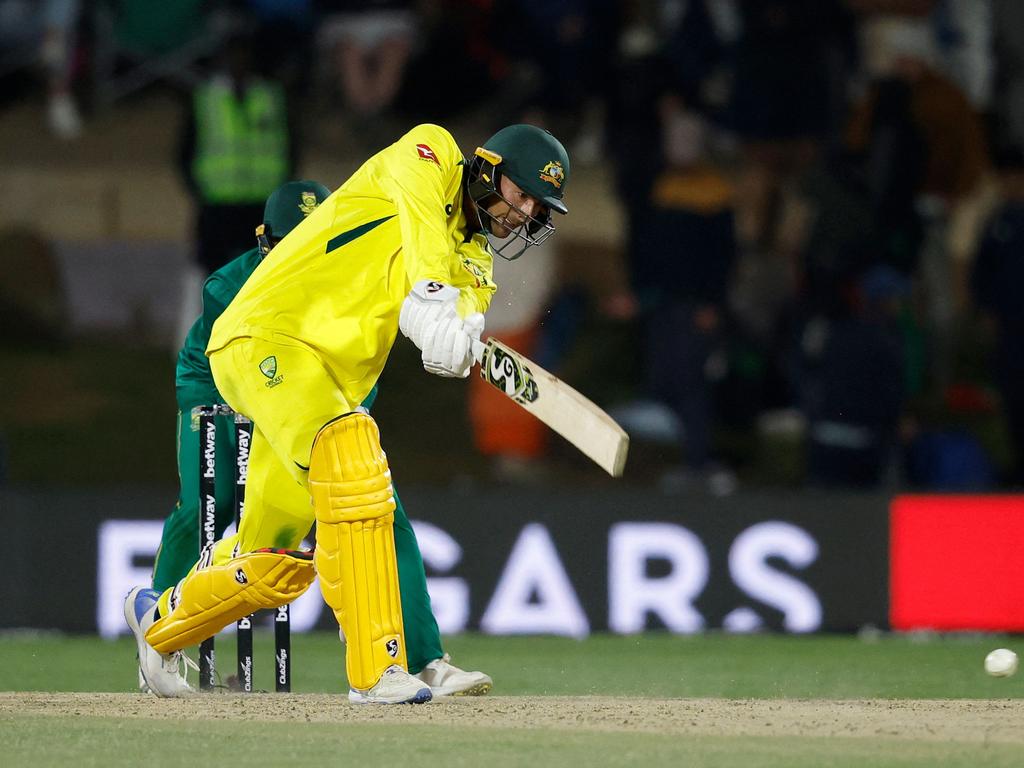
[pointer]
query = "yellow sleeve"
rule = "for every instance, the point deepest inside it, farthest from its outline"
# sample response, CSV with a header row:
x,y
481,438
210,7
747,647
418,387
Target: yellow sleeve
x,y
417,172
478,287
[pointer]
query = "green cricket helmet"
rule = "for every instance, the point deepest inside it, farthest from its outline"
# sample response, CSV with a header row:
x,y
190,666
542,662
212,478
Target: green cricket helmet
x,y
538,164
286,207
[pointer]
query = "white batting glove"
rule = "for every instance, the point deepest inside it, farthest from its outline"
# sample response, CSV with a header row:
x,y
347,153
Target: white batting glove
x,y
448,349
428,303
475,325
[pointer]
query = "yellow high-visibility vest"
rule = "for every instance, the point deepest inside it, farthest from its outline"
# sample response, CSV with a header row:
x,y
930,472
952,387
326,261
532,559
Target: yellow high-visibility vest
x,y
241,143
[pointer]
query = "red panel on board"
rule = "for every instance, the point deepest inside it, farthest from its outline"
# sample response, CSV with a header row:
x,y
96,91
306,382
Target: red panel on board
x,y
956,563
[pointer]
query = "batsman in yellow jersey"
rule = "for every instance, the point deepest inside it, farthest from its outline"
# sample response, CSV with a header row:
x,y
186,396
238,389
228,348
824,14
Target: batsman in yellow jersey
x,y
404,244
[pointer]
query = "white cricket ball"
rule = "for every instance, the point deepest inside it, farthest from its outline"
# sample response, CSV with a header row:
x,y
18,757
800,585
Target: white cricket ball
x,y
1002,662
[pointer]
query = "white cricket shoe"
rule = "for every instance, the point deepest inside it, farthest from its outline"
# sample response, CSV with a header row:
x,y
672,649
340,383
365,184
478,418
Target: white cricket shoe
x,y
445,679
396,686
161,673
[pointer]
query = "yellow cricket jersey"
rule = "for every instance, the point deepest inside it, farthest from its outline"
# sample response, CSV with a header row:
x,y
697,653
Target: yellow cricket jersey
x,y
336,283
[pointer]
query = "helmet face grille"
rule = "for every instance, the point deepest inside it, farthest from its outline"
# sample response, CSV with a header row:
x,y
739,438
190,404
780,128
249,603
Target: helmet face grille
x,y
484,180
531,232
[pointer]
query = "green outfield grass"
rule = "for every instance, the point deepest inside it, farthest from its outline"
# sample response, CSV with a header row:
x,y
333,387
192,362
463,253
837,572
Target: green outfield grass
x,y
636,669
113,742
651,665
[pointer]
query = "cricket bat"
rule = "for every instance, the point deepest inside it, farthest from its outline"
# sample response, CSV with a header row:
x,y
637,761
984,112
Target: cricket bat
x,y
555,403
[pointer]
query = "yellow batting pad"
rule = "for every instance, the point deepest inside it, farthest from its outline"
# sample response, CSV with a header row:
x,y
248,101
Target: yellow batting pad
x,y
209,599
355,545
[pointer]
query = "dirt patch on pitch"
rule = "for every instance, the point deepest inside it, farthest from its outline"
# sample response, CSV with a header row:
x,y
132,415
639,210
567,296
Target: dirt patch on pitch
x,y
971,721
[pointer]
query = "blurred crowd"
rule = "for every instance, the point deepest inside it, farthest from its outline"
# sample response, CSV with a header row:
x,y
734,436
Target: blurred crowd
x,y
823,199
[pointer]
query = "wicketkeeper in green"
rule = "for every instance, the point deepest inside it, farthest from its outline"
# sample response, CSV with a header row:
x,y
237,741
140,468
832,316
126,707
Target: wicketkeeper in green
x,y
286,207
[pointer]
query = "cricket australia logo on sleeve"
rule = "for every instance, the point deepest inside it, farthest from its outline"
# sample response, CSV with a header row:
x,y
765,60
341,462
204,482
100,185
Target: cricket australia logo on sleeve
x,y
269,369
475,271
509,375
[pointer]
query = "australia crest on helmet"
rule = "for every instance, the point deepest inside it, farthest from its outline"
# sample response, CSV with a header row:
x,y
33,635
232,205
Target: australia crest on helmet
x,y
553,173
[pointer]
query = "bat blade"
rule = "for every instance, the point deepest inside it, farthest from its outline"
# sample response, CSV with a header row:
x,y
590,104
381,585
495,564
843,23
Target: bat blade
x,y
555,403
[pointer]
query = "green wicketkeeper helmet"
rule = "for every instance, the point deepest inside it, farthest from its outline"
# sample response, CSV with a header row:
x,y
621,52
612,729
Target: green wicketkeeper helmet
x,y
538,164
286,207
